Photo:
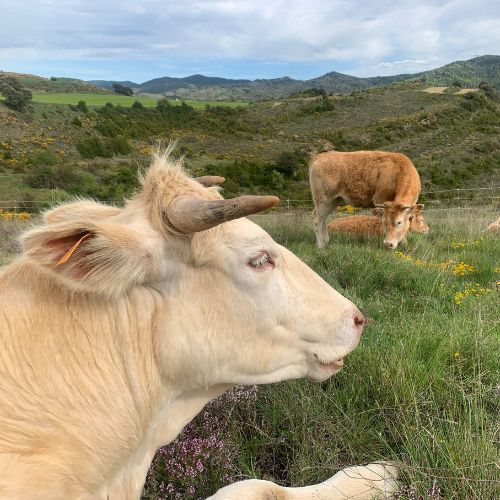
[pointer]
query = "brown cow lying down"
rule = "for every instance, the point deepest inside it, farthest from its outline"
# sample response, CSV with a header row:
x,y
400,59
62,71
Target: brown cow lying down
x,y
494,227
118,325
362,179
382,222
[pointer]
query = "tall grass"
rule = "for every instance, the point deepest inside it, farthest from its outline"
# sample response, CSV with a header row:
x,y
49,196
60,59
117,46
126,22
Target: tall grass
x,y
422,388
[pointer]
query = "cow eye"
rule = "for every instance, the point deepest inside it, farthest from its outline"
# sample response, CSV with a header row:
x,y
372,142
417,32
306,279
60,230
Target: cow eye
x,y
261,262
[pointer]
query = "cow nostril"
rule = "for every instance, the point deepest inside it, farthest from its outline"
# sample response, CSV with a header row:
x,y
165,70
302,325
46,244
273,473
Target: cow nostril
x,y
359,320
388,244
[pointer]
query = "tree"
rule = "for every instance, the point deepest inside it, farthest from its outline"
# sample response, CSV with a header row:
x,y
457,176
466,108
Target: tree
x,y
118,88
489,90
17,96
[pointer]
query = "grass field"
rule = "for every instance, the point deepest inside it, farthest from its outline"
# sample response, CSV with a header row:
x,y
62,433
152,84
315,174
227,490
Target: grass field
x,y
422,389
102,99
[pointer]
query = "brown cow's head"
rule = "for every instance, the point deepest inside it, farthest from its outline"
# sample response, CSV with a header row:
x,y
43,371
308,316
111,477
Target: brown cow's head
x,y
396,220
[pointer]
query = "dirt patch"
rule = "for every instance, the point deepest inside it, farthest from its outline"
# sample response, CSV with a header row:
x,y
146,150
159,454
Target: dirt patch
x,y
435,90
466,91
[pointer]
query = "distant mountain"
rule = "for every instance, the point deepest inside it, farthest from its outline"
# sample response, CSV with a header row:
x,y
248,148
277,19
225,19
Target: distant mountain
x,y
469,73
108,84
165,84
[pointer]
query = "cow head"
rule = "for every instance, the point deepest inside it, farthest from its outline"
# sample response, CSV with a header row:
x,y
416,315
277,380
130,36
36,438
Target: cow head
x,y
233,305
396,220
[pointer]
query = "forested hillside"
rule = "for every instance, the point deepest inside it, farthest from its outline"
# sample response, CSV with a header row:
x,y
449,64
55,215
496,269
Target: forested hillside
x,y
260,148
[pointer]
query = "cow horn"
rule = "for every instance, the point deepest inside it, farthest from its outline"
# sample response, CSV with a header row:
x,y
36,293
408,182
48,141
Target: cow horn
x,y
210,180
191,215
379,205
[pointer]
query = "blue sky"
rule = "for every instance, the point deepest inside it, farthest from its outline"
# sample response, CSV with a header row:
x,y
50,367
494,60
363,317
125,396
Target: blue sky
x,y
139,40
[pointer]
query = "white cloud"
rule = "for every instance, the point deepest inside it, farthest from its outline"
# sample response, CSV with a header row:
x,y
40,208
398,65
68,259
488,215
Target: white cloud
x,y
382,34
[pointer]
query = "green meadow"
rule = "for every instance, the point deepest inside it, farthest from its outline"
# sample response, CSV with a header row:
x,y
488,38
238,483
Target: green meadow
x,y
119,100
422,389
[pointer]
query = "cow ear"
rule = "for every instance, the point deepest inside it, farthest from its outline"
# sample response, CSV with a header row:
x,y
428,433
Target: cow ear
x,y
379,212
96,256
80,209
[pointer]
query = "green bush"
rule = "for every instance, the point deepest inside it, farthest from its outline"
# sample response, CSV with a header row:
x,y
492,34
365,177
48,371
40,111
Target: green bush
x,y
117,145
92,147
82,106
43,158
17,97
62,176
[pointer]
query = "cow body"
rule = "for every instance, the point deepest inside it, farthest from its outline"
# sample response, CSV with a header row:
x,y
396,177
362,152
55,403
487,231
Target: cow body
x,y
362,179
118,325
377,480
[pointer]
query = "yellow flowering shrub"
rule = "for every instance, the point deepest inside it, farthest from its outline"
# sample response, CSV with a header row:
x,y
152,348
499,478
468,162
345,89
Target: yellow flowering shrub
x,y
19,216
349,209
461,269
470,291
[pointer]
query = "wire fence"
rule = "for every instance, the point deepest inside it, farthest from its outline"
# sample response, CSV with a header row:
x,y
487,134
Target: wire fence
x,y
452,198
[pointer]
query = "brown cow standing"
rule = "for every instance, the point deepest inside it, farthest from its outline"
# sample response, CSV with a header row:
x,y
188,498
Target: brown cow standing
x,y
362,179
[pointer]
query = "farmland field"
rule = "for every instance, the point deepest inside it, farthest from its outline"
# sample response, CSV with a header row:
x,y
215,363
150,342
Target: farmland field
x,y
121,100
422,389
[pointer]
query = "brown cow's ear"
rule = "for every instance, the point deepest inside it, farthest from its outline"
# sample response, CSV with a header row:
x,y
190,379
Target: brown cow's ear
x,y
379,212
96,256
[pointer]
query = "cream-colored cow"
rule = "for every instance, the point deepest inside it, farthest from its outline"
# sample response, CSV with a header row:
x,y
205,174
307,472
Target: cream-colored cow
x,y
118,325
362,179
377,480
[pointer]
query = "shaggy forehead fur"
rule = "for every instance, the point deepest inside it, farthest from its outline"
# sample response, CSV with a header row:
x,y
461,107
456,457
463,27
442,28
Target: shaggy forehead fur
x,y
115,248
164,181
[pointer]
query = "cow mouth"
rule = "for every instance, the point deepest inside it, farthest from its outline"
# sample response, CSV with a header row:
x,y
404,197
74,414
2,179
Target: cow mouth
x,y
331,365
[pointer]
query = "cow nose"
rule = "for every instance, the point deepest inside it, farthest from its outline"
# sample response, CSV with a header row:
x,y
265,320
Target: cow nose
x,y
388,244
359,321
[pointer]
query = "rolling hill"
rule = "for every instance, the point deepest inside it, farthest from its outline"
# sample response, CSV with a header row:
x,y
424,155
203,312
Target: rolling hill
x,y
40,84
469,73
259,148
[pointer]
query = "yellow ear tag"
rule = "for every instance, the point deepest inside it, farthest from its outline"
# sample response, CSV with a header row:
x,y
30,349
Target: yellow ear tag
x,y
69,253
